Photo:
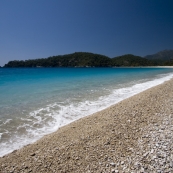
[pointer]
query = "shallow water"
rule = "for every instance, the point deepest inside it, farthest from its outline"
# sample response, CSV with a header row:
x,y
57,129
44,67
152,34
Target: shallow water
x,y
37,101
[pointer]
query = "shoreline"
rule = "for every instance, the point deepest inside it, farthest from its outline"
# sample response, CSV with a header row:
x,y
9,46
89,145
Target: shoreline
x,y
106,140
143,67
125,93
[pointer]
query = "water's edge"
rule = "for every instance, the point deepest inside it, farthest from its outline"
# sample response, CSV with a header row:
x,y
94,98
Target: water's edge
x,y
90,108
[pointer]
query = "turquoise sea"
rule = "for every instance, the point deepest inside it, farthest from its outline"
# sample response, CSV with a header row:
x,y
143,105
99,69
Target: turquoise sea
x,y
37,101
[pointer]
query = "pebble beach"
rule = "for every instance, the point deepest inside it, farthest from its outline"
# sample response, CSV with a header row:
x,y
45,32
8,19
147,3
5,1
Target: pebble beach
x,y
134,135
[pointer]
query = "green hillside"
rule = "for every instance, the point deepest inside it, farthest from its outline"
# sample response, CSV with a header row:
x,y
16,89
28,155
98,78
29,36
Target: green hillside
x,y
77,59
85,59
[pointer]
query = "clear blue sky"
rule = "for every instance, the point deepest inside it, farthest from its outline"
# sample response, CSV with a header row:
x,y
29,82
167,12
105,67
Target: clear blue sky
x,y
40,28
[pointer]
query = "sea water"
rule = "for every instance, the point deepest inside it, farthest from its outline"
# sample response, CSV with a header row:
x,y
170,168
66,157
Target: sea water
x,y
37,101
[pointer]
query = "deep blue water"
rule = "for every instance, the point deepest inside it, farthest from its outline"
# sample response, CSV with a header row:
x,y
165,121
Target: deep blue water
x,y
37,101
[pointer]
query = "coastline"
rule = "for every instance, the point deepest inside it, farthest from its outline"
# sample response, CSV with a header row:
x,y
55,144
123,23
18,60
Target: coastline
x,y
143,67
119,138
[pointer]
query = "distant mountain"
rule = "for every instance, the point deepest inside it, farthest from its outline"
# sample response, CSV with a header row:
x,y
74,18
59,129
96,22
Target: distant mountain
x,y
131,60
164,55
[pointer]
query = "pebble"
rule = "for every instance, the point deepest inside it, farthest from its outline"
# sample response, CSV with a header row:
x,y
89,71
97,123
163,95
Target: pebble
x,y
112,164
151,151
122,163
33,154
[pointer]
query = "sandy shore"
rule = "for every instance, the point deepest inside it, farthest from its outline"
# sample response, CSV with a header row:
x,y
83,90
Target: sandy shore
x,y
134,135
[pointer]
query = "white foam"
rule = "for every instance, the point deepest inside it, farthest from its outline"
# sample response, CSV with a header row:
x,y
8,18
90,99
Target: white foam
x,y
0,135
7,121
60,114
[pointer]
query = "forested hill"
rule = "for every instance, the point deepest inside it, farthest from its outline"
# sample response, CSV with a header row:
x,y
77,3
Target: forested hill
x,y
84,59
131,60
77,59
